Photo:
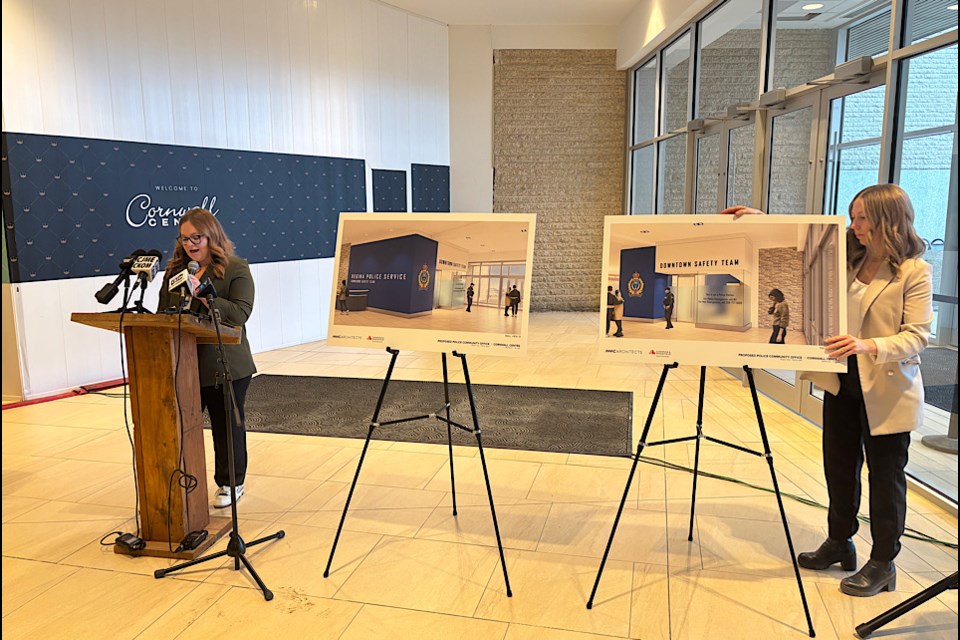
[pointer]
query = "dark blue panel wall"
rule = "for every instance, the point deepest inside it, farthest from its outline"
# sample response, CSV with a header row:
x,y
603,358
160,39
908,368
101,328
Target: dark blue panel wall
x,y
389,190
398,272
649,304
431,187
79,205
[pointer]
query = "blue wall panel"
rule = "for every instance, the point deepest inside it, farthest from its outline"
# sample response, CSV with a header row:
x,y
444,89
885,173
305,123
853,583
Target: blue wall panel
x,y
399,273
649,304
79,205
431,187
389,190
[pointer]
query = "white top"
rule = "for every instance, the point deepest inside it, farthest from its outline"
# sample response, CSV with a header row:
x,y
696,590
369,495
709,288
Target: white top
x,y
854,299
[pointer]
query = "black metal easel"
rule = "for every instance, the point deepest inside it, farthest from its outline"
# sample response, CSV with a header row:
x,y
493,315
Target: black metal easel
x,y
236,547
450,423
867,628
696,461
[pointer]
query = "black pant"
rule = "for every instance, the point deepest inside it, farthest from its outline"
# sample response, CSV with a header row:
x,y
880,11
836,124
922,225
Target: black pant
x,y
619,324
782,332
846,435
668,314
515,307
609,319
211,399
469,302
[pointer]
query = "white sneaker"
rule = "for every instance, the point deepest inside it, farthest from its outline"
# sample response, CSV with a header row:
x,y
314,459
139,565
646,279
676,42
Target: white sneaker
x,y
222,498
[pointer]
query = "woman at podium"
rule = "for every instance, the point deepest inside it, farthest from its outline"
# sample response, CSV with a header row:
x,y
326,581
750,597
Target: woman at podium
x,y
202,240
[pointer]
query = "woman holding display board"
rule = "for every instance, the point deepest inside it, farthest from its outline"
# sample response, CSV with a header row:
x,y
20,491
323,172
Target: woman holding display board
x,y
875,405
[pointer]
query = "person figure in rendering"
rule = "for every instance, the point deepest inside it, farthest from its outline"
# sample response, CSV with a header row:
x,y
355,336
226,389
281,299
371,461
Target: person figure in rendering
x,y
780,311
342,294
514,296
875,405
618,314
668,302
202,240
469,297
611,305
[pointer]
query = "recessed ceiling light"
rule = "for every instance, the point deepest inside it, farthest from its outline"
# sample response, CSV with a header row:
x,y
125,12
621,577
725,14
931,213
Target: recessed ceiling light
x,y
812,7
952,7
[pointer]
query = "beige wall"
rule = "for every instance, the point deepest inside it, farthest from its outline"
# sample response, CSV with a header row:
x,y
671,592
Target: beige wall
x,y
649,24
471,97
12,385
558,153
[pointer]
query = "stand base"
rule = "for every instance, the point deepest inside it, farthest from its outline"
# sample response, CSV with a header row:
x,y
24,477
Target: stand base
x,y
216,529
945,444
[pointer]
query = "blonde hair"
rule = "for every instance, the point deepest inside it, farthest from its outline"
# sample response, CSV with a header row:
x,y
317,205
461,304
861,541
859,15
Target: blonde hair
x,y
889,211
221,248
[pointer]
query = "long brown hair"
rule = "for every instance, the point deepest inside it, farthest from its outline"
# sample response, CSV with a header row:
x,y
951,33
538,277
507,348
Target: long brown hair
x,y
890,213
220,246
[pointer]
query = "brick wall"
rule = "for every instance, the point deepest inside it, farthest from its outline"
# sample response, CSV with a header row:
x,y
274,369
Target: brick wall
x,y
558,150
781,268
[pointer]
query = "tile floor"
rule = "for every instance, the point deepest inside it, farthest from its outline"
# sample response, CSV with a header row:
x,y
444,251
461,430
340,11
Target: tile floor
x,y
406,568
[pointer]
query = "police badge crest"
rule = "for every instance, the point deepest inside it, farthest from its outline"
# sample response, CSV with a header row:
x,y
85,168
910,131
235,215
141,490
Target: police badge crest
x,y
423,278
635,286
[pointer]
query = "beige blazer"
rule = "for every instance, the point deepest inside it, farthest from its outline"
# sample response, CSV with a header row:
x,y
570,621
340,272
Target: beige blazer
x,y
897,313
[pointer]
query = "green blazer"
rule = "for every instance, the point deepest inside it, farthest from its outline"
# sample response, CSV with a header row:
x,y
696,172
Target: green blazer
x,y
235,291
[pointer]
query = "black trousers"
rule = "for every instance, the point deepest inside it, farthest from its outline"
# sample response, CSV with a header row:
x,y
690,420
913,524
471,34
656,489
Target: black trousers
x,y
668,314
469,302
782,332
609,319
846,435
211,399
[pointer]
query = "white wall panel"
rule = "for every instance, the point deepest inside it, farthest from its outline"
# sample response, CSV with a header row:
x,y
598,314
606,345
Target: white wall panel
x,y
394,89
269,306
276,32
184,75
58,86
253,322
123,51
321,97
155,72
301,115
342,78
289,311
90,58
210,72
21,78
253,47
233,67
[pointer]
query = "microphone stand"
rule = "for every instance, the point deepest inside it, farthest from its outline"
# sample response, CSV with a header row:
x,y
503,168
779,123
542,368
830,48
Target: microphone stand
x,y
126,294
236,547
138,305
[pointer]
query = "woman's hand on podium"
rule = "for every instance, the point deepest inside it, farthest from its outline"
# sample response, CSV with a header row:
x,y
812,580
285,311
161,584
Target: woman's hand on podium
x,y
739,211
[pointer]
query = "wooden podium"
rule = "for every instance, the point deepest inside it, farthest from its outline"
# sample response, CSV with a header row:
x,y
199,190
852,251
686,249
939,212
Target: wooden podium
x,y
155,384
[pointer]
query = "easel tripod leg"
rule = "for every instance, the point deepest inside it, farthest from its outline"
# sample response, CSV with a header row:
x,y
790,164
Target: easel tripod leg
x,y
776,488
696,455
363,454
486,475
626,489
446,402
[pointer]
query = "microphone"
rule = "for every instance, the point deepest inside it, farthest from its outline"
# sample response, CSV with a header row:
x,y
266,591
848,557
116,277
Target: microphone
x,y
107,293
147,266
182,283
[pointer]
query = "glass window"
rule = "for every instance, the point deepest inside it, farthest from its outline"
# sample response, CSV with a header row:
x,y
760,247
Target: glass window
x,y
928,18
728,63
740,165
853,147
674,87
708,174
927,154
641,201
790,162
645,102
672,174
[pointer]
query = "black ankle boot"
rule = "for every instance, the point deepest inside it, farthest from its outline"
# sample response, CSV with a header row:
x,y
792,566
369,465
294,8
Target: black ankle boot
x,y
830,553
874,577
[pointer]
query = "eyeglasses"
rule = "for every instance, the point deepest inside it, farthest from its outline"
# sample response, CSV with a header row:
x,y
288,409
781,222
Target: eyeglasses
x,y
195,239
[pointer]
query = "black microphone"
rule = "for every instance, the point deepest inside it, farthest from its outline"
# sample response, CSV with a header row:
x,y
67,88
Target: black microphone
x,y
107,293
147,266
